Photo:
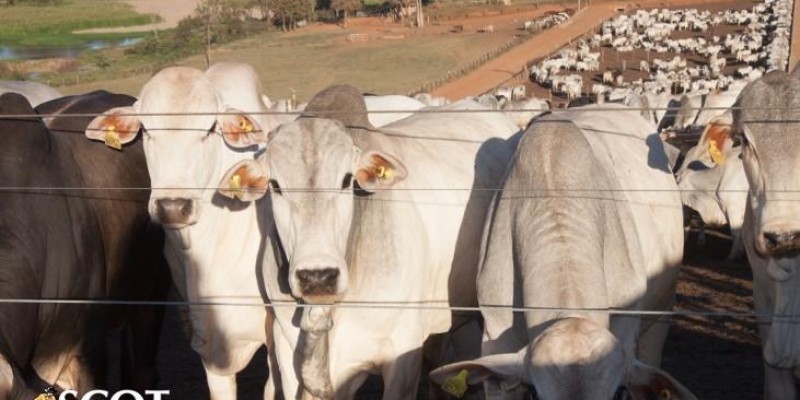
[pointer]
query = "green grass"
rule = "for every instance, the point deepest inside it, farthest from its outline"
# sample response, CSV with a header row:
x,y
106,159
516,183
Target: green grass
x,y
52,25
308,62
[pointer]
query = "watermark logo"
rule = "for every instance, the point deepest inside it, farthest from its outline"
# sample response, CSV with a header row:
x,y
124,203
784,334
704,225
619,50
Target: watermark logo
x,y
126,394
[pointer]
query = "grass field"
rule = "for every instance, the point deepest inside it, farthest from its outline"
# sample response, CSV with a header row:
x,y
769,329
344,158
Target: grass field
x,y
52,25
308,61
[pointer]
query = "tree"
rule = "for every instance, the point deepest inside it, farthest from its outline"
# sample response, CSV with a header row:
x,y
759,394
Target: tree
x,y
292,11
345,6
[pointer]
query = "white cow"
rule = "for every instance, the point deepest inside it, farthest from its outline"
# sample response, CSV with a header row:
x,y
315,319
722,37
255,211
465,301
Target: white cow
x,y
589,218
212,242
523,111
390,103
36,93
713,183
356,228
697,109
767,125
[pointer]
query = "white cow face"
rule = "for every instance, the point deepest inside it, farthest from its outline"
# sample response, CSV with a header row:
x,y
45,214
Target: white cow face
x,y
185,151
702,170
771,157
768,125
314,170
573,359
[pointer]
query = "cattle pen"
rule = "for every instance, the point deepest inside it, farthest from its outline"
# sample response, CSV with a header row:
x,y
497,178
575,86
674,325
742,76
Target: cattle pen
x,y
713,346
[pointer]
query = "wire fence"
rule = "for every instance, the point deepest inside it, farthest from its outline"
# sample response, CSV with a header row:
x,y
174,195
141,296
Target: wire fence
x,y
427,110
431,306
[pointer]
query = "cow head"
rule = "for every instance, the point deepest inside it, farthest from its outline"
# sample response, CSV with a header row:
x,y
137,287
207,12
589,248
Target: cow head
x,y
184,122
314,170
574,359
767,122
702,170
771,154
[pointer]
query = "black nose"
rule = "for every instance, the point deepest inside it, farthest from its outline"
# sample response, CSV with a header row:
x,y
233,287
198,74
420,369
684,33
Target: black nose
x,y
174,211
318,282
785,244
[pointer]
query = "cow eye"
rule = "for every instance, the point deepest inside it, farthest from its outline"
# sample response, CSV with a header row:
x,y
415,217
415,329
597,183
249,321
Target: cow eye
x,y
275,186
621,393
347,181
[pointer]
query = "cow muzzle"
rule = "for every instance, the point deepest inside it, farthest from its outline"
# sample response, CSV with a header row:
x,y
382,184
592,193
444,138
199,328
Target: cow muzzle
x,y
318,284
778,244
176,213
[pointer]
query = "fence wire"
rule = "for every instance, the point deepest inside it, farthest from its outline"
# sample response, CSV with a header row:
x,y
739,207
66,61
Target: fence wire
x,y
431,110
405,306
794,318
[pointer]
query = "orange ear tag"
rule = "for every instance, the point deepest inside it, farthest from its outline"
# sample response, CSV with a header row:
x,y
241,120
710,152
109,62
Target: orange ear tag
x,y
111,138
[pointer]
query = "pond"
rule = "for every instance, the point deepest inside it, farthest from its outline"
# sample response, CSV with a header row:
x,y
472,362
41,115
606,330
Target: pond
x,y
34,53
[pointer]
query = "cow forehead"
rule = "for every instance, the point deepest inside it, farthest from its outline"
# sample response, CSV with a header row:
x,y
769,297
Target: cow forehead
x,y
183,91
310,146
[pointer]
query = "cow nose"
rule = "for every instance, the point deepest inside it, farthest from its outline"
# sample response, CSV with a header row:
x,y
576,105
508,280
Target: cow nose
x,y
782,244
318,282
174,212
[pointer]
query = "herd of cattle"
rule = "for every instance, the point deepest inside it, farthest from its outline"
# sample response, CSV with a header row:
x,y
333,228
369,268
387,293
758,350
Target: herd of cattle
x,y
370,233
760,43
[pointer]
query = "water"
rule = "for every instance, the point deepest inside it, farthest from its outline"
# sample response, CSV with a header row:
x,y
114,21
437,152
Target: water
x,y
35,53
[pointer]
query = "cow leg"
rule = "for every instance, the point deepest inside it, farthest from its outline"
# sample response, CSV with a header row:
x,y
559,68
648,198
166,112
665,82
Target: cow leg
x,y
284,356
779,384
76,375
12,383
6,378
347,389
145,329
221,387
651,342
271,390
401,376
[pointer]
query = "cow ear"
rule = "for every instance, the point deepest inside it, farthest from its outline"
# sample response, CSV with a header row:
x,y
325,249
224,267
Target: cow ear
x,y
454,378
247,181
239,129
115,127
717,140
645,382
377,170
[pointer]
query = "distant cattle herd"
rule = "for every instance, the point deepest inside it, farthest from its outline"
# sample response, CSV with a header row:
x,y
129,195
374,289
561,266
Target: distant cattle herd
x,y
504,246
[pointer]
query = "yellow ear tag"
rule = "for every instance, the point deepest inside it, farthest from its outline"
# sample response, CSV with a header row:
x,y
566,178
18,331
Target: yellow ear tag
x,y
111,138
456,385
384,173
47,395
235,185
245,125
665,394
716,155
